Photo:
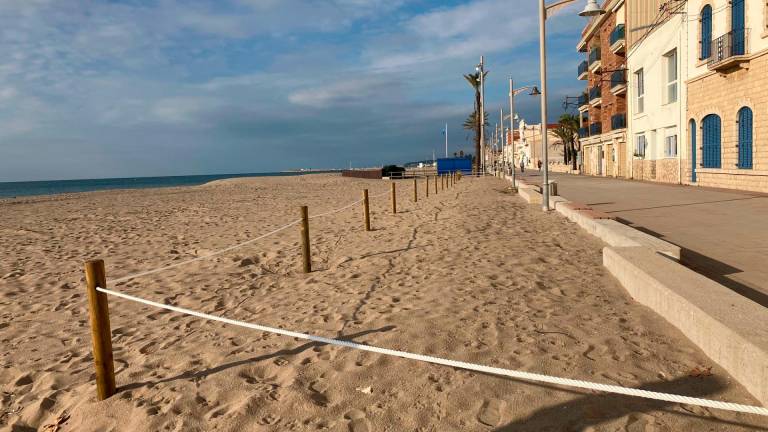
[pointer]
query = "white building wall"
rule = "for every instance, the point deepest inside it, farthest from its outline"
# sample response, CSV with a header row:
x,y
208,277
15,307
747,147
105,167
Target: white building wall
x,y
659,117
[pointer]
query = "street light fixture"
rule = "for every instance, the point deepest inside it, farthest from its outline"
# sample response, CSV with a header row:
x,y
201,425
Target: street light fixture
x,y
591,9
513,116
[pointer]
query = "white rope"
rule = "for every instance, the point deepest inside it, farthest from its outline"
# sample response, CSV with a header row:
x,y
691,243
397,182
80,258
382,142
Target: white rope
x,y
727,406
233,247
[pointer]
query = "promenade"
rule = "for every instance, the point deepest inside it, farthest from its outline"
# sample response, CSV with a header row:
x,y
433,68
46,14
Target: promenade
x,y
722,233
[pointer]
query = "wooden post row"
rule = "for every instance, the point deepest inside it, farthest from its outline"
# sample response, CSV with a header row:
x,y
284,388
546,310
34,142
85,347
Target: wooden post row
x,y
366,211
394,199
101,333
306,259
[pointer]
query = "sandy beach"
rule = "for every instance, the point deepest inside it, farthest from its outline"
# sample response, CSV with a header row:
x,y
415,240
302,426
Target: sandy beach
x,y
472,273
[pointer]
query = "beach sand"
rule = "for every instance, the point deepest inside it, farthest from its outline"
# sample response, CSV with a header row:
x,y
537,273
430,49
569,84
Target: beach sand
x,y
471,274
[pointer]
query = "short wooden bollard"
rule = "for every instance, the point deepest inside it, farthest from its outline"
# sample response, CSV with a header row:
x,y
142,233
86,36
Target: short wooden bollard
x,y
435,185
366,211
442,182
101,333
415,190
394,199
306,258
426,185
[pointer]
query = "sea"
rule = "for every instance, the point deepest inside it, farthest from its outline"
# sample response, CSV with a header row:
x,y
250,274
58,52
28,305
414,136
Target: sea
x,y
53,187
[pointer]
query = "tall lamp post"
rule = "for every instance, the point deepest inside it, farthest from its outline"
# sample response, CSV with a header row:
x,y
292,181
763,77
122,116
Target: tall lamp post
x,y
512,92
591,9
481,69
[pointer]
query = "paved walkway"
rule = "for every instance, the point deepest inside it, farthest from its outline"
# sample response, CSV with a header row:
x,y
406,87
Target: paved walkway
x,y
722,234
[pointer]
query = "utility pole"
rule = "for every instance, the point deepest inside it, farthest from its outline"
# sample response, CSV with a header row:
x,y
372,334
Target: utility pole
x,y
481,114
446,140
512,126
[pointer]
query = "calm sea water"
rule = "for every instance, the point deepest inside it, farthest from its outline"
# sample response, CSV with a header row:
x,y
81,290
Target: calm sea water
x,y
50,187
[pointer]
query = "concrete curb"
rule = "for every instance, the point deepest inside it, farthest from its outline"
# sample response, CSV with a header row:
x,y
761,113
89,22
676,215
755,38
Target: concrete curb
x,y
709,314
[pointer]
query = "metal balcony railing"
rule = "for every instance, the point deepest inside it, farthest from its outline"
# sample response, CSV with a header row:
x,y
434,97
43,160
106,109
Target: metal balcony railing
x,y
583,100
594,56
618,121
583,67
617,34
595,128
595,93
732,44
618,78
583,132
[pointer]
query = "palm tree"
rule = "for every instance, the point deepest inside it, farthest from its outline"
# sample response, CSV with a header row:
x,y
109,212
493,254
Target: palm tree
x,y
471,123
474,81
567,130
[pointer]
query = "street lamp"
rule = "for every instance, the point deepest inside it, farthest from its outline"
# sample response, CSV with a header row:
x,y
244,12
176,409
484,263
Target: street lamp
x,y
512,92
591,9
480,68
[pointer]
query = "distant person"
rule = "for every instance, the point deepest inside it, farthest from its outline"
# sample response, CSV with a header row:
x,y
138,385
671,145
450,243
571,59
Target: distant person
x,y
539,164
522,164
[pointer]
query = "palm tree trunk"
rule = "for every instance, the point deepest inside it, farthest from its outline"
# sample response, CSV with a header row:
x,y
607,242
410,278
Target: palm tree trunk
x,y
480,118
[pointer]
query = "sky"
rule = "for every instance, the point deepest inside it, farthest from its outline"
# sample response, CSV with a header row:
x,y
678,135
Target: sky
x,y
108,88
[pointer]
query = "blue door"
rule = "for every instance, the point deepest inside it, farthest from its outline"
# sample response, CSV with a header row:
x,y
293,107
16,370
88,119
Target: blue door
x,y
737,27
745,138
692,131
710,136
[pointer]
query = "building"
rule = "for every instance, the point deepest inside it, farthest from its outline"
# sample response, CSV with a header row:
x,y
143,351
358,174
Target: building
x,y
529,144
656,53
603,106
727,85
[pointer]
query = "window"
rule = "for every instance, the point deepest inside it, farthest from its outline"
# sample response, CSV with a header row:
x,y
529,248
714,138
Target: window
x,y
706,32
640,91
692,131
671,76
710,145
745,138
670,145
640,145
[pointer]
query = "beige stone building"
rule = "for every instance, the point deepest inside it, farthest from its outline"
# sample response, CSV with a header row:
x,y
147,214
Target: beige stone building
x,y
727,87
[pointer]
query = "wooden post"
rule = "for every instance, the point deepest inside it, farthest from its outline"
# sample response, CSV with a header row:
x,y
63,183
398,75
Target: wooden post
x,y
366,211
394,199
442,182
101,333
426,184
415,190
306,258
435,185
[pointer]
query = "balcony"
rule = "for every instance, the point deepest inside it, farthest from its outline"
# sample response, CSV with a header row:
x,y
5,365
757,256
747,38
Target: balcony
x,y
618,121
595,96
584,132
595,129
617,39
583,102
583,70
729,50
595,60
619,82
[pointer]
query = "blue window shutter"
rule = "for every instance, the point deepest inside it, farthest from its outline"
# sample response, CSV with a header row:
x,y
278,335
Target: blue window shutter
x,y
711,141
737,27
706,32
745,138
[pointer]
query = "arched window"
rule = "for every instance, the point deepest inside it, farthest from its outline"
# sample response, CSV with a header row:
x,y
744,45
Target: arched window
x,y
706,32
692,131
738,24
745,138
710,141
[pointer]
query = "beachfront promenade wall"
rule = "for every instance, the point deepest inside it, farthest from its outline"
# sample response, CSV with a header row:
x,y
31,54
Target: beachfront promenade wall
x,y
374,173
731,329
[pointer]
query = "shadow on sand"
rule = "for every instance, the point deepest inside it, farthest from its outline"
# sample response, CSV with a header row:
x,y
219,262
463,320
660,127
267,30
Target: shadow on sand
x,y
591,410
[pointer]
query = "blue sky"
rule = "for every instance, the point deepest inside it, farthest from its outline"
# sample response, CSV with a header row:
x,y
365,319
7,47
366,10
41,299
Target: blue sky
x,y
107,88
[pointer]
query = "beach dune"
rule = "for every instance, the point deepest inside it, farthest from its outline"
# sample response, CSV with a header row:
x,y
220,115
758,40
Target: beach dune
x,y
472,273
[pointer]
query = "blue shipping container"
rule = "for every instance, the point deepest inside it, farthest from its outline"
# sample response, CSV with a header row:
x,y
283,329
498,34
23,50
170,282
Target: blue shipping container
x,y
449,165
